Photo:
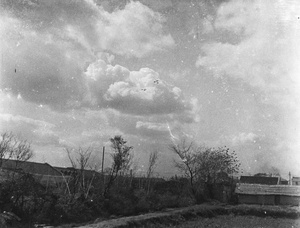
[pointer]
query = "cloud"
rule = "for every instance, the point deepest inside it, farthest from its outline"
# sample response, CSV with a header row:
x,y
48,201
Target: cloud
x,y
135,30
46,46
140,92
158,5
35,131
264,56
243,138
152,126
265,51
40,69
152,130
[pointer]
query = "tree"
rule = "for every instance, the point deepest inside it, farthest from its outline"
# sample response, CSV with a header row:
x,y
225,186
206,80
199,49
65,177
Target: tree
x,y
13,148
188,161
80,163
121,160
215,165
18,190
203,165
153,158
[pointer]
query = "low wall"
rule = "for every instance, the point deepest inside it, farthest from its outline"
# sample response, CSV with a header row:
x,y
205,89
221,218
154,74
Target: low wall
x,y
269,199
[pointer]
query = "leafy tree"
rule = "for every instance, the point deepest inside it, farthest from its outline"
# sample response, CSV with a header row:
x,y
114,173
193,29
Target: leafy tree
x,y
121,160
214,166
202,165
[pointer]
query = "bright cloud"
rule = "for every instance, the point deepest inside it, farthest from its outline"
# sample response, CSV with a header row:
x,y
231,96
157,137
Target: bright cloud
x,y
152,126
140,92
135,30
45,50
264,56
243,138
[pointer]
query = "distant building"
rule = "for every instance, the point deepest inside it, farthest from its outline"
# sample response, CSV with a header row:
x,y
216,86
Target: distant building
x,y
267,191
283,181
70,171
43,172
268,194
259,180
296,181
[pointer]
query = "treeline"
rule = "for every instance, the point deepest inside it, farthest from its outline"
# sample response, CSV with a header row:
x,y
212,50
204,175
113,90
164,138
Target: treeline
x,y
86,194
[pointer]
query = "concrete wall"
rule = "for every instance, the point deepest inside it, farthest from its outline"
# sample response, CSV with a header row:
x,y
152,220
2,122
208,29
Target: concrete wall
x,y
290,200
269,200
257,199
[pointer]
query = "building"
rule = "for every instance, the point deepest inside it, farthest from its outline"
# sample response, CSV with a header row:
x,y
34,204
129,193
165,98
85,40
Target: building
x,y
70,171
296,181
268,194
266,190
260,180
43,172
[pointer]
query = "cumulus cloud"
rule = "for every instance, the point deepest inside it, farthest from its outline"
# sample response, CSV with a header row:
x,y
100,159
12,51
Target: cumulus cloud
x,y
140,92
46,46
265,53
135,30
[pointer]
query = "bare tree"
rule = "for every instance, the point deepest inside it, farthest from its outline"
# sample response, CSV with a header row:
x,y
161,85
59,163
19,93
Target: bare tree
x,y
13,148
152,162
188,161
80,161
6,145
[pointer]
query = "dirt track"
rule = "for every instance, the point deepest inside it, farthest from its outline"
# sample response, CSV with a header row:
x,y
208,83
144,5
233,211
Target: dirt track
x,y
177,216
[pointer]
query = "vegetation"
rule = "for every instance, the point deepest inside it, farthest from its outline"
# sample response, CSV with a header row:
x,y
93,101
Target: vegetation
x,y
13,148
204,167
86,194
229,221
207,215
121,161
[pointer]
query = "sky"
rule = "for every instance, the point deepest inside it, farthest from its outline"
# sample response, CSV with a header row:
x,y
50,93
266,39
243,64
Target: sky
x,y
75,73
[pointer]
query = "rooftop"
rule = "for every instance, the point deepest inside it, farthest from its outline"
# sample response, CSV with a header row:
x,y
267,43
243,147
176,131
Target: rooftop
x,y
259,180
257,189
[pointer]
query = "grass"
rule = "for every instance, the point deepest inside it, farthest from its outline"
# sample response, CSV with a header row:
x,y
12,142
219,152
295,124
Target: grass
x,y
213,216
232,221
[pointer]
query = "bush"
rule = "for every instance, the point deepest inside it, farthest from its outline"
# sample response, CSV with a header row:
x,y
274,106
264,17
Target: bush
x,y
143,203
122,201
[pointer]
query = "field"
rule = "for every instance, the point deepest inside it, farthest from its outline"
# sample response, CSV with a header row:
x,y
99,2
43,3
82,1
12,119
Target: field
x,y
231,221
